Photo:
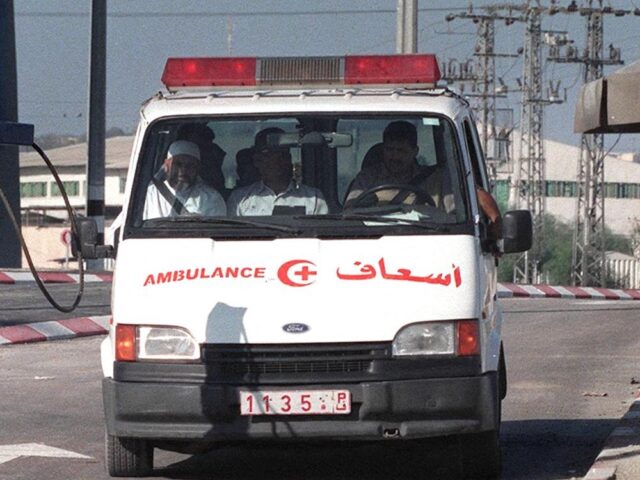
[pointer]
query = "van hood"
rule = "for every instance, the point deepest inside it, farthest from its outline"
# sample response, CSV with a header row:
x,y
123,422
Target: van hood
x,y
296,290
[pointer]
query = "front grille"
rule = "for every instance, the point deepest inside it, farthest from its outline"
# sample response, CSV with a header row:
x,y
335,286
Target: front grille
x,y
294,359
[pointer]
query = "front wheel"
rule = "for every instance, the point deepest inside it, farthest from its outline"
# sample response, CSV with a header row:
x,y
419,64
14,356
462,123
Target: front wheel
x,y
128,457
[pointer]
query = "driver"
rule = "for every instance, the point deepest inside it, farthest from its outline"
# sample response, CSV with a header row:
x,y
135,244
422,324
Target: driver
x,y
398,167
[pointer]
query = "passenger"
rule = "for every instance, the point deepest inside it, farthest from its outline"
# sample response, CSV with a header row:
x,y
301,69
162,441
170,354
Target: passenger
x,y
245,168
276,190
211,154
178,189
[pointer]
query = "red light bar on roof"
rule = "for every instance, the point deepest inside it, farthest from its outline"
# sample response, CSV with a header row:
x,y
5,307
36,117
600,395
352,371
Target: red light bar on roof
x,y
209,72
420,69
398,69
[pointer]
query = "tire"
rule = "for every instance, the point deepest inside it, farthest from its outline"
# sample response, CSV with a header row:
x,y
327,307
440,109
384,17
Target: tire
x,y
481,456
128,457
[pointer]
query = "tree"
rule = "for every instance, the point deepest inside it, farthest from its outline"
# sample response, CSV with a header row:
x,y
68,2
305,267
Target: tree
x,y
557,253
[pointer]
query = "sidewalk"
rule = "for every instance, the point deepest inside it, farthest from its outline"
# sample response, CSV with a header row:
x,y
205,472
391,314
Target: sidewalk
x,y
620,455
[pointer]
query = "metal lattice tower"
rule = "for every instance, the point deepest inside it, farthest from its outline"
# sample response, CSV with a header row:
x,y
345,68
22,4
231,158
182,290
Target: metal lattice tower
x,y
588,240
486,75
482,76
588,256
530,180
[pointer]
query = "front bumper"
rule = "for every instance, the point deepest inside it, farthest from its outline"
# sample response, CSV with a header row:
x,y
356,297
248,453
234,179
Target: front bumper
x,y
380,409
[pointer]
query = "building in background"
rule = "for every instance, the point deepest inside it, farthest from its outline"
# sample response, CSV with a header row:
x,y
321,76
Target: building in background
x,y
44,217
622,185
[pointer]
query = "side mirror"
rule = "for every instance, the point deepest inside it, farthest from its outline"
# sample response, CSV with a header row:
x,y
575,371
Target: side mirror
x,y
517,231
88,238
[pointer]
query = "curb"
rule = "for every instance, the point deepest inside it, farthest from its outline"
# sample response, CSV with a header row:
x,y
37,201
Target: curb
x,y
621,449
21,276
509,290
54,330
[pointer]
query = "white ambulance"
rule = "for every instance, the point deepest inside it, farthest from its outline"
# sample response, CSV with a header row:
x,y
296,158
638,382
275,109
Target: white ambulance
x,y
354,301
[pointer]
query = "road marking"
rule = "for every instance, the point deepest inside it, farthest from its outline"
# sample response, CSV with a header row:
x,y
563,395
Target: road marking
x,y
599,302
11,452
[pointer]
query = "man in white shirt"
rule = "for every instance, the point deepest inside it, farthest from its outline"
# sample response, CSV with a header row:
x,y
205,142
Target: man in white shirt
x,y
182,192
394,163
276,191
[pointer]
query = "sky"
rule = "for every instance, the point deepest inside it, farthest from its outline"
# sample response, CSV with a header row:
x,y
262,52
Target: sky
x,y
53,36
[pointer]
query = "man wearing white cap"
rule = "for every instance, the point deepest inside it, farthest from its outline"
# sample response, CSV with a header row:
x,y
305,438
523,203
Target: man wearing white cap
x,y
182,192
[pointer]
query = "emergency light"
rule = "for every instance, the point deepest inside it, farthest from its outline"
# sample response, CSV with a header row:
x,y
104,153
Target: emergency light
x,y
414,70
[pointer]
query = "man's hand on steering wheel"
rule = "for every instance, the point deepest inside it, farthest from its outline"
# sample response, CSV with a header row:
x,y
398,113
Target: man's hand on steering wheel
x,y
370,198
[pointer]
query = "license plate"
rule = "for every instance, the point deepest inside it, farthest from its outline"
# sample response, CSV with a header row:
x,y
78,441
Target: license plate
x,y
295,402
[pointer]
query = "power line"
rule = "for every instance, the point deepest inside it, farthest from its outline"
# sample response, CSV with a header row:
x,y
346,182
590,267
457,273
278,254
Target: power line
x,y
229,14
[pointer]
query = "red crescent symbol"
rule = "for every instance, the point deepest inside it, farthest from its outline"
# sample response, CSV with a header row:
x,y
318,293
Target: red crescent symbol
x,y
305,274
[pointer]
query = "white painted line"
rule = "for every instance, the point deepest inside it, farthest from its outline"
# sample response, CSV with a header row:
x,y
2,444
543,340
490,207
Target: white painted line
x,y
102,320
533,291
21,276
622,295
593,292
593,303
601,473
564,293
11,452
88,278
52,330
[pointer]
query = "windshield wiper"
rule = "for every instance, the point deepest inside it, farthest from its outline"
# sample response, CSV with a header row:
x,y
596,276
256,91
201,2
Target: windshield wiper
x,y
398,221
158,222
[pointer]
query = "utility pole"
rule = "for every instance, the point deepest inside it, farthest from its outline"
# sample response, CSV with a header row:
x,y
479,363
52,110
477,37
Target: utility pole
x,y
407,26
10,256
588,254
96,133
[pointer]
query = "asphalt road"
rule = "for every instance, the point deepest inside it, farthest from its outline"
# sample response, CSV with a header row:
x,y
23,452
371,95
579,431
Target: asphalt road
x,y
570,363
25,303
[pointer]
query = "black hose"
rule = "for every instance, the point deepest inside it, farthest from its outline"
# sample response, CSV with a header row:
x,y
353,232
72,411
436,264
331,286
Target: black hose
x,y
74,234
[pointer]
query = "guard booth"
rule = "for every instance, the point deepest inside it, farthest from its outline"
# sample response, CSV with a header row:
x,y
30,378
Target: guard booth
x,y
609,104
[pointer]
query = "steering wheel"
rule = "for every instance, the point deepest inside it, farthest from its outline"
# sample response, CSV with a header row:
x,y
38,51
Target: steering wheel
x,y
368,197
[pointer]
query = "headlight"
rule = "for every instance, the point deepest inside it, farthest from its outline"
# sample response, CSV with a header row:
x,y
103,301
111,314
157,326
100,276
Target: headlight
x,y
164,343
425,339
459,337
135,342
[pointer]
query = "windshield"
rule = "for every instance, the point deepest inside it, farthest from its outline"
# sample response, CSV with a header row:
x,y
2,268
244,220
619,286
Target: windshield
x,y
299,175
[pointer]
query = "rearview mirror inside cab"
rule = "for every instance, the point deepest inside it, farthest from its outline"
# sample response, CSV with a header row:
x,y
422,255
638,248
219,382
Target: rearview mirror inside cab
x,y
517,231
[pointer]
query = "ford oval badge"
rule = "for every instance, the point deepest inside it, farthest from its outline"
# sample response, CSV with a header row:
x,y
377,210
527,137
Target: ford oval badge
x,y
295,328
